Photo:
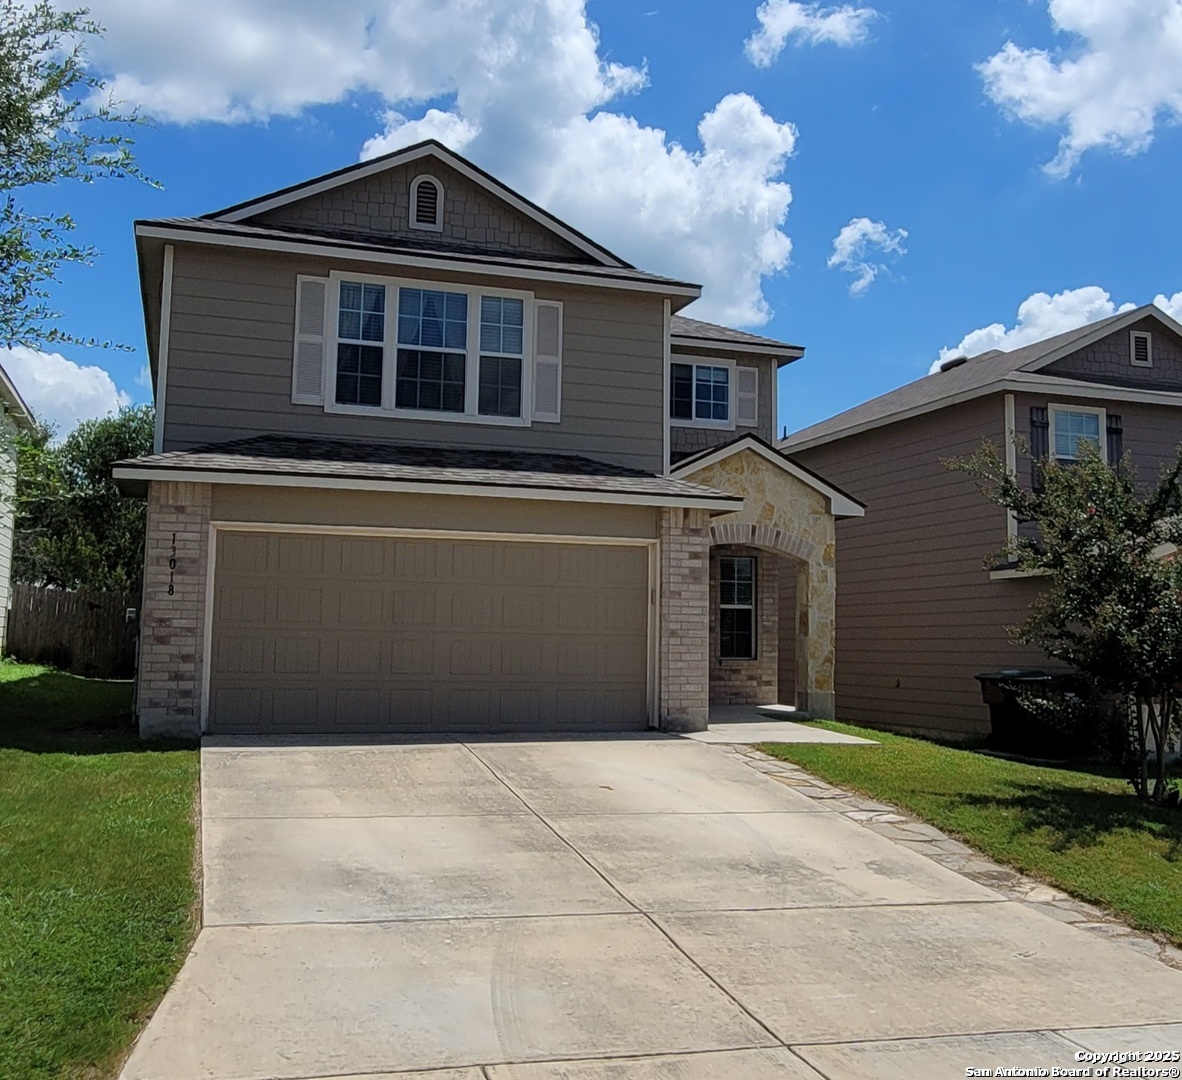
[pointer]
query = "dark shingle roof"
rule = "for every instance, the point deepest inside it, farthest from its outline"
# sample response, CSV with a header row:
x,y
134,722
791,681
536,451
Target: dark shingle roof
x,y
386,245
965,380
339,459
713,334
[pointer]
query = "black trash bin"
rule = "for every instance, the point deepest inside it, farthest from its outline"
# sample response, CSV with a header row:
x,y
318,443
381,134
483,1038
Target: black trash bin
x,y
1015,729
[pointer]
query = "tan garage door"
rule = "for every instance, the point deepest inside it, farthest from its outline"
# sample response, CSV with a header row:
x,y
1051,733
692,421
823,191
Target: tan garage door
x,y
333,633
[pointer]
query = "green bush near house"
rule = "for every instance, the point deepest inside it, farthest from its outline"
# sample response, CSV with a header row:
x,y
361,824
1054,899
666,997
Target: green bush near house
x,y
97,892
1077,829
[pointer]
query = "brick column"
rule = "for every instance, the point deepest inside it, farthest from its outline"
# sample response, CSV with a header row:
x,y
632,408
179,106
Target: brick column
x,y
172,626
685,620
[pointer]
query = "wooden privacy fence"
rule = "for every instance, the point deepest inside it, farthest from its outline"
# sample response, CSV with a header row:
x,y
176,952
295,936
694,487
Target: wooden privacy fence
x,y
86,633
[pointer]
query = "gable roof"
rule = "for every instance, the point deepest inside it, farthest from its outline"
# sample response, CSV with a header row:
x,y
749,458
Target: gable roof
x,y
693,333
841,503
987,373
12,403
430,148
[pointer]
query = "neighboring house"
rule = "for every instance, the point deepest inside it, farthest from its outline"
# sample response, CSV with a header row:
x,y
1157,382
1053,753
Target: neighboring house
x,y
919,611
429,458
14,416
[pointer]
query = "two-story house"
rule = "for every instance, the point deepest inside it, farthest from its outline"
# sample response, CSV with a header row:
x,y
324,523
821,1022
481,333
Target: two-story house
x,y
429,458
922,610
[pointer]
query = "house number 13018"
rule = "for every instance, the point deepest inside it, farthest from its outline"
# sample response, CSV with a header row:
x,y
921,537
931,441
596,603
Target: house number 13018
x,y
172,567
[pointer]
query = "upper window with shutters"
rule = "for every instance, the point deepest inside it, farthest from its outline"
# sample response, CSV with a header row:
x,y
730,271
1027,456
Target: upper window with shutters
x,y
414,349
712,393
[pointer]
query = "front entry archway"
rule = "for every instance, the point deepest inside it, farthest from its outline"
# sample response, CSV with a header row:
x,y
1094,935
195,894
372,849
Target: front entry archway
x,y
790,514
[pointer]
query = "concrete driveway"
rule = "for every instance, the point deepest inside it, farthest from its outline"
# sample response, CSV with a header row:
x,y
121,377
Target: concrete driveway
x,y
644,907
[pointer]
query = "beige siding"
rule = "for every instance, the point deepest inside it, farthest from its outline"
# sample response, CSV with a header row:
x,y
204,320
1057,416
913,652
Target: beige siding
x,y
7,490
685,441
379,205
230,356
1109,360
917,614
370,510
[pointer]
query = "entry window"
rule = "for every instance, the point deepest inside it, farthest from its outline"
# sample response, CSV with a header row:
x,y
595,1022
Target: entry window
x,y
736,608
361,330
700,394
1070,427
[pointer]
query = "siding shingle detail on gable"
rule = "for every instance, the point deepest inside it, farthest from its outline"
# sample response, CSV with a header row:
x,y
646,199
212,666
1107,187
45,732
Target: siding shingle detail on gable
x,y
379,205
1109,361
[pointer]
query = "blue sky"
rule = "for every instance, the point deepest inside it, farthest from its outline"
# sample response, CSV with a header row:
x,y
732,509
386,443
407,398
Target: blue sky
x,y
986,173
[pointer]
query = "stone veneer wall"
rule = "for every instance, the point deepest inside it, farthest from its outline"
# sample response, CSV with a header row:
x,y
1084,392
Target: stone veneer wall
x,y
782,514
748,682
172,627
685,620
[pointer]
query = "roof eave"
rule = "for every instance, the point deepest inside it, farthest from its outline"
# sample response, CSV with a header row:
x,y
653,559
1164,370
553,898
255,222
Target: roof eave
x,y
133,480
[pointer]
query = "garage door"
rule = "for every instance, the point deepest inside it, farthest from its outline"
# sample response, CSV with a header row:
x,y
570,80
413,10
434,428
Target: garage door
x,y
333,633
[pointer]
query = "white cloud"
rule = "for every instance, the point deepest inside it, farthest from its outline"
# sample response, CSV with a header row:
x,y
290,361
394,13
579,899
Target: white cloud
x,y
59,390
1171,305
782,20
855,245
525,87
1122,75
1041,316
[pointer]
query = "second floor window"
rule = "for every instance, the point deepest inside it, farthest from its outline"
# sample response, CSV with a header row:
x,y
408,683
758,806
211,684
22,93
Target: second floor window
x,y
454,353
700,393
361,332
1070,427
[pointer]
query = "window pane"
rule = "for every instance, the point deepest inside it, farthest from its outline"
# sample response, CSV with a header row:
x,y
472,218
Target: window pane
x,y
501,324
681,391
736,633
500,386
432,318
359,374
711,392
360,316
1071,428
429,380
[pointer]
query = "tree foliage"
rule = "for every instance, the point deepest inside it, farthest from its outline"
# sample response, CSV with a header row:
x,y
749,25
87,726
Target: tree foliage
x,y
1112,603
50,130
73,528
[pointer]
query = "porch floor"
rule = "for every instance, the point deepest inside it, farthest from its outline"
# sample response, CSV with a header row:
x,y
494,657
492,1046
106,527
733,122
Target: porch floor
x,y
750,724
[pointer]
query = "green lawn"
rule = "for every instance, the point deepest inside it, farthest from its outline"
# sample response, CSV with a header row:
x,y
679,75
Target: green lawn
x,y
1083,832
97,896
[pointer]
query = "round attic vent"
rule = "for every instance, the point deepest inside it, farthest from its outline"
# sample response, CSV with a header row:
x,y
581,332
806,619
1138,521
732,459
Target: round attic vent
x,y
955,362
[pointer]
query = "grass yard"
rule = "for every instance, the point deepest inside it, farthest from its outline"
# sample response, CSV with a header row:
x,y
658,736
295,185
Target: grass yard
x,y
97,895
1079,831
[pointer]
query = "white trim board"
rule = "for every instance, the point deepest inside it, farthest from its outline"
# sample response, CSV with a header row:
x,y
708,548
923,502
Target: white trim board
x,y
162,349
329,251
840,504
722,503
771,351
652,589
428,150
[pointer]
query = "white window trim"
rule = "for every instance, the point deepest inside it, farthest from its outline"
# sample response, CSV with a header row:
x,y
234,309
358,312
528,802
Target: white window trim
x,y
1133,335
1101,414
390,353
753,607
732,390
415,184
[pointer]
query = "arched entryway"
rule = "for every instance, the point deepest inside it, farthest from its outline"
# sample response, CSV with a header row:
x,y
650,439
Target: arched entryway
x,y
786,528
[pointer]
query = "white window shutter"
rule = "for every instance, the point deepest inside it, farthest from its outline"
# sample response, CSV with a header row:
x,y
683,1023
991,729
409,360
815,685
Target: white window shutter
x,y
547,361
747,397
311,333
